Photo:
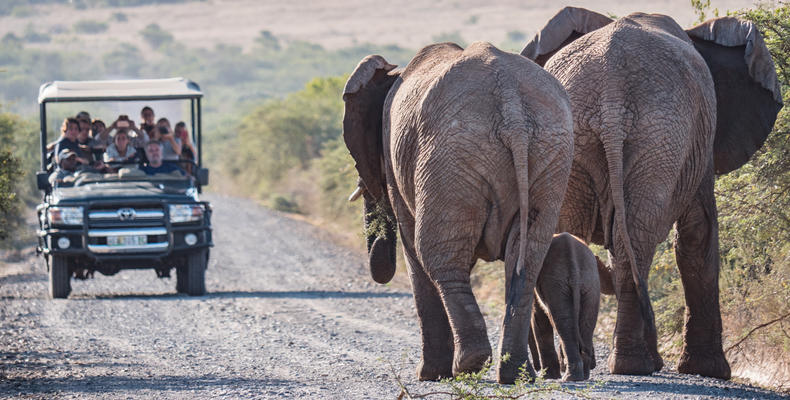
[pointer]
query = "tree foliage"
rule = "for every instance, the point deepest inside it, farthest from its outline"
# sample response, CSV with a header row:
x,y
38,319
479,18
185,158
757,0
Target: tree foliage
x,y
10,173
281,135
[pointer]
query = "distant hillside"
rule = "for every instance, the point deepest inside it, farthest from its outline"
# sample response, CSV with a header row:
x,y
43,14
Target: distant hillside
x,y
331,23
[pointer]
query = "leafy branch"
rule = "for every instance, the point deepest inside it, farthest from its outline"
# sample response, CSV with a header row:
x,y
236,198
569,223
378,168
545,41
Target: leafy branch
x,y
474,386
755,329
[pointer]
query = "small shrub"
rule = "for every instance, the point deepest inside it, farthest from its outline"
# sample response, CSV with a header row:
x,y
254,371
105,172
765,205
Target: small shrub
x,y
89,27
476,386
517,36
31,36
119,17
268,41
58,29
281,203
124,60
155,36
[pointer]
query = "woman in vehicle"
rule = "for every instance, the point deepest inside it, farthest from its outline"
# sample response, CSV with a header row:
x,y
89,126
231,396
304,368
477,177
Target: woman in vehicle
x,y
188,151
120,149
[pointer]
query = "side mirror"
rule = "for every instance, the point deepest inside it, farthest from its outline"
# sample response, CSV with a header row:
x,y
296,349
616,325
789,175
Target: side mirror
x,y
202,176
42,180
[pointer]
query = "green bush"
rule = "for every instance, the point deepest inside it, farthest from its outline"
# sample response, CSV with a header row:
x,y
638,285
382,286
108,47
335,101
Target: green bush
x,y
155,36
125,60
284,134
32,36
90,27
10,173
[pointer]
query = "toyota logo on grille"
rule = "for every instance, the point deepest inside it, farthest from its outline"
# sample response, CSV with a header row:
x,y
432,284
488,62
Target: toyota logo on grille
x,y
126,214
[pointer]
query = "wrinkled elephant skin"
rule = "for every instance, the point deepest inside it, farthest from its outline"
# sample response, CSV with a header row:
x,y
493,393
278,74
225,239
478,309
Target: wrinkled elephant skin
x,y
468,151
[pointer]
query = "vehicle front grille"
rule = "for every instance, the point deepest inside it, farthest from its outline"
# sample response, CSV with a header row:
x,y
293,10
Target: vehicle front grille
x,y
132,229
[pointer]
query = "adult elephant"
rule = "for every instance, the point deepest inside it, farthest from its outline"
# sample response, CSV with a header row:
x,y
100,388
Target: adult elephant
x,y
440,147
658,111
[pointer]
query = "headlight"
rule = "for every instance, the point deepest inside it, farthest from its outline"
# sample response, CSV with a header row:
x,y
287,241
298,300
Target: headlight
x,y
185,213
65,215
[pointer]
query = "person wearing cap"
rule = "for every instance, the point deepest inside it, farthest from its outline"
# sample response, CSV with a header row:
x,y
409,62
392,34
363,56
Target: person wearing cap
x,y
66,166
153,151
69,165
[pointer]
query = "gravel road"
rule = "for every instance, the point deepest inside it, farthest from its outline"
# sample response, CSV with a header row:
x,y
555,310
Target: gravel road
x,y
289,315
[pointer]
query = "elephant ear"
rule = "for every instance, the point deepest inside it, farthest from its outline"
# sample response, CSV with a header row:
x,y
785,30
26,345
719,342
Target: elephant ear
x,y
748,95
364,95
568,25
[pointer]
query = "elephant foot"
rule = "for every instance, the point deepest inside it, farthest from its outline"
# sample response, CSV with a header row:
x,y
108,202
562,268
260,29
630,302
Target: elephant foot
x,y
630,363
552,373
705,361
434,371
658,362
470,359
575,372
508,372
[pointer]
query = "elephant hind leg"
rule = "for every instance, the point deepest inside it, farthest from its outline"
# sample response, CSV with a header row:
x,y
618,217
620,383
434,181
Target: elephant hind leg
x,y
697,255
446,254
436,361
437,340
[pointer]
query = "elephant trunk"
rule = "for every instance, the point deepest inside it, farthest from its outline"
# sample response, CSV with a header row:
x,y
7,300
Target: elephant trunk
x,y
381,238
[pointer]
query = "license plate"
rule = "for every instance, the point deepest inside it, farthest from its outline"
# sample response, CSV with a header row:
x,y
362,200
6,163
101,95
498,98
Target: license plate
x,y
135,240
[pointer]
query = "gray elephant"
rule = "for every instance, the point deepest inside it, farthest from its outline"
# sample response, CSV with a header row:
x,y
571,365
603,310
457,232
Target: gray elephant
x,y
658,111
439,147
567,301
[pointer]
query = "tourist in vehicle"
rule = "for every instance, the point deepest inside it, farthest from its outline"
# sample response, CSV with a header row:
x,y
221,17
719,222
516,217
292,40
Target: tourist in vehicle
x,y
188,151
84,142
69,165
84,135
171,145
147,115
83,115
155,165
137,137
101,135
120,149
70,130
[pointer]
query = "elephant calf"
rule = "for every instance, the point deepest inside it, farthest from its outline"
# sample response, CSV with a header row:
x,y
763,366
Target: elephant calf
x,y
568,295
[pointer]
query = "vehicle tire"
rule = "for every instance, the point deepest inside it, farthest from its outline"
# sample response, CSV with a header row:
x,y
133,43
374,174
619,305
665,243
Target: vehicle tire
x,y
181,278
196,273
59,277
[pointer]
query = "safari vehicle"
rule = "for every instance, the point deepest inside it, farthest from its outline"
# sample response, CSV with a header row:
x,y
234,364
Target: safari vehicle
x,y
124,220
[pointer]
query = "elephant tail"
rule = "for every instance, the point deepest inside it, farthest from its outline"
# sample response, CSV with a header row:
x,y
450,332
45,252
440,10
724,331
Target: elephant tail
x,y
520,152
614,156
